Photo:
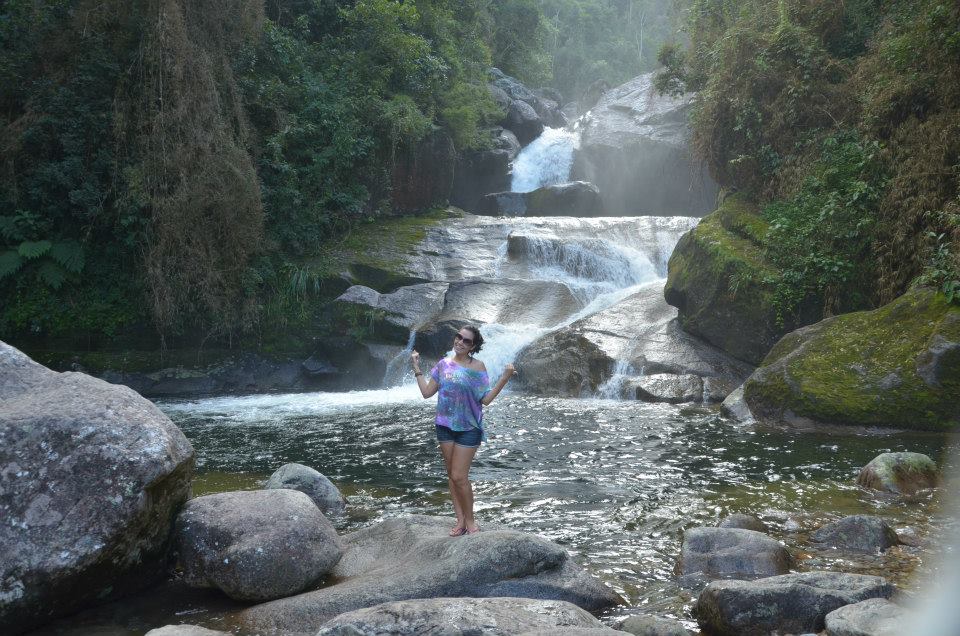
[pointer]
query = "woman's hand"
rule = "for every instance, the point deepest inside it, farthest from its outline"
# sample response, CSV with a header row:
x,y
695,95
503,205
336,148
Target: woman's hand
x,y
415,359
509,371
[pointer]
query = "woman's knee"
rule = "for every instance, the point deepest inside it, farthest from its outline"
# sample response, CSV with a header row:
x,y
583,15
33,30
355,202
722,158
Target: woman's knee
x,y
459,478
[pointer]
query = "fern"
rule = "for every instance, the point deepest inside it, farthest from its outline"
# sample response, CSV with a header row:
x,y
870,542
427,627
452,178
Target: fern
x,y
69,254
34,249
51,274
10,262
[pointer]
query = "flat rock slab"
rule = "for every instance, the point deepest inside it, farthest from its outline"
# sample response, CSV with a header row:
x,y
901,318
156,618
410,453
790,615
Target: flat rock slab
x,y
185,630
732,553
255,545
900,473
857,533
460,616
414,558
91,476
873,617
652,626
310,482
790,603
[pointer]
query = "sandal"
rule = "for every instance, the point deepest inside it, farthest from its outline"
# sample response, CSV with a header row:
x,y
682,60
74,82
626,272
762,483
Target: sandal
x,y
474,531
458,531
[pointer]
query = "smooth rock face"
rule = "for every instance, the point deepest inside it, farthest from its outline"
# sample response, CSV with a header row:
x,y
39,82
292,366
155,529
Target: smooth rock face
x,y
652,626
422,176
390,317
413,557
635,148
732,553
873,617
787,604
91,476
863,369
642,329
488,616
255,545
900,473
745,522
858,533
310,482
185,630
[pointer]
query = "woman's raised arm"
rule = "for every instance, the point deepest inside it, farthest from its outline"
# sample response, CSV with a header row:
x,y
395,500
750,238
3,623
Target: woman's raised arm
x,y
428,388
508,372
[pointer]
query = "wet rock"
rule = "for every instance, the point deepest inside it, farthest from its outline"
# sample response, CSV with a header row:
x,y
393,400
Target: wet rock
x,y
506,302
857,533
732,553
735,407
573,631
635,148
413,557
422,175
873,617
834,372
390,317
546,108
667,387
488,616
185,630
481,172
91,476
642,330
503,204
255,545
310,482
652,626
900,473
576,198
316,367
790,603
742,521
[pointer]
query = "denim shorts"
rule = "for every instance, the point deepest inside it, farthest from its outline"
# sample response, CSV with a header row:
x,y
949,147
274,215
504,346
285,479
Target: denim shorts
x,y
470,439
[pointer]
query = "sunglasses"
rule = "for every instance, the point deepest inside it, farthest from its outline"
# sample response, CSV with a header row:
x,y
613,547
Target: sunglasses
x,y
466,341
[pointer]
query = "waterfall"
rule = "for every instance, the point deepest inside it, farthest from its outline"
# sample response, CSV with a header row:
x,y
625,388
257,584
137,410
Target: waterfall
x,y
399,367
545,161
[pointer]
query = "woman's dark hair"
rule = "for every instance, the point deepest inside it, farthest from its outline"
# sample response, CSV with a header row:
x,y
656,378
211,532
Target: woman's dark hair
x,y
477,338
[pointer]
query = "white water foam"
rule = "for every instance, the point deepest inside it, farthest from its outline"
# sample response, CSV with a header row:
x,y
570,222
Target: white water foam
x,y
545,161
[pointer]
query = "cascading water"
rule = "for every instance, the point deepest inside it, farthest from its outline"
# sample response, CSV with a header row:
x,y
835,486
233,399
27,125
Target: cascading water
x,y
546,160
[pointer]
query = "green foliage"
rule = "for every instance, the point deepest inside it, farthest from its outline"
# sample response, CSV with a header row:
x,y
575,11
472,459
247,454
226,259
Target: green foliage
x,y
943,269
820,239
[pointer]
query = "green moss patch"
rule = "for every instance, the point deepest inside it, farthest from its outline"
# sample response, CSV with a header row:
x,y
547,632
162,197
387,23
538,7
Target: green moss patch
x,y
863,368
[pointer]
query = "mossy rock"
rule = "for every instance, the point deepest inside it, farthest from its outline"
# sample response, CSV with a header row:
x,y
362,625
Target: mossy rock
x,y
723,285
897,366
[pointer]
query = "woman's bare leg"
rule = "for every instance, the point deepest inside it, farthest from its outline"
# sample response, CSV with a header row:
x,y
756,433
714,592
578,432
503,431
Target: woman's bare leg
x,y
446,449
460,461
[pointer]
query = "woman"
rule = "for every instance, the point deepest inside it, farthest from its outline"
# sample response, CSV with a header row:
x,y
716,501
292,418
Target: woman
x,y
464,390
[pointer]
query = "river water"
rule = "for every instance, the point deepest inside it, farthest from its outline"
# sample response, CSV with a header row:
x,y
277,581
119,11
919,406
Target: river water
x,y
615,482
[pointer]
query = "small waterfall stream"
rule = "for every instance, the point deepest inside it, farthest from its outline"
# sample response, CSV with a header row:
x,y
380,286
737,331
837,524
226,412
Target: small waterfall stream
x,y
546,160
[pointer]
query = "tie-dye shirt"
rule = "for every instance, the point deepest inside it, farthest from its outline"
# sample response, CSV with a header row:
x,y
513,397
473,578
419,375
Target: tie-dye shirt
x,y
458,400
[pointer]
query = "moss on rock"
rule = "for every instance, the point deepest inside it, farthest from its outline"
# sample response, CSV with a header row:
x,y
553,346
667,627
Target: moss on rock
x,y
897,366
723,286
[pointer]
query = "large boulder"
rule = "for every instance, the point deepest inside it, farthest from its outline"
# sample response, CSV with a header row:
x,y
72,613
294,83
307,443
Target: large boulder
x,y
857,533
91,478
422,174
873,617
480,172
415,558
255,545
635,148
891,367
488,616
723,286
790,603
576,198
746,522
544,102
644,625
523,121
310,482
732,553
390,317
185,630
503,204
900,473
664,363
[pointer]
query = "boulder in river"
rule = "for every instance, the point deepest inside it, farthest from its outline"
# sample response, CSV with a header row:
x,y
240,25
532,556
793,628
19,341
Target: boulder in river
x,y
867,368
310,482
185,630
256,545
91,478
790,603
413,557
503,616
671,388
732,553
635,148
745,522
857,533
900,473
523,121
574,198
644,625
873,617
390,317
503,204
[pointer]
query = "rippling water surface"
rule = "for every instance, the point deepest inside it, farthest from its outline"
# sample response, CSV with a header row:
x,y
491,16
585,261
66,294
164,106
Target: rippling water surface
x,y
615,482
